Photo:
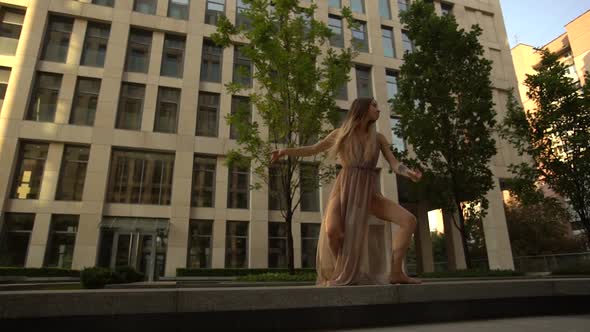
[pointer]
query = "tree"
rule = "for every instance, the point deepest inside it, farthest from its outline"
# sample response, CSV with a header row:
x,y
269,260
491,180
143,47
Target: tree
x,y
540,228
447,114
297,75
556,135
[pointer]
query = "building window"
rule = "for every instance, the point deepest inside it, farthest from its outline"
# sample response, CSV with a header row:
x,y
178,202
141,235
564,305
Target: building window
x,y
138,51
145,6
391,81
446,8
211,62
384,9
357,6
130,106
241,19
335,24
277,245
29,172
236,244
238,187
200,244
277,197
363,81
85,101
407,42
178,9
62,238
4,77
215,8
173,56
310,234
167,110
139,177
11,24
310,193
108,3
95,45
57,38
240,105
388,44
359,37
397,141
14,240
338,119
341,92
73,173
335,4
242,68
203,193
208,115
402,5
43,101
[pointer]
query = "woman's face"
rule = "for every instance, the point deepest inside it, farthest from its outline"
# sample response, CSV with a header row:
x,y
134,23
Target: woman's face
x,y
373,112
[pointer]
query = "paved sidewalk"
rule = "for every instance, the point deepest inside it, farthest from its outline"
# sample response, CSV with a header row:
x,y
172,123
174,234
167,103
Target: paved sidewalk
x,y
580,323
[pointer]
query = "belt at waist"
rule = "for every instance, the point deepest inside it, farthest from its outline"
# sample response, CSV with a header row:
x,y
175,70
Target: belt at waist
x,y
364,168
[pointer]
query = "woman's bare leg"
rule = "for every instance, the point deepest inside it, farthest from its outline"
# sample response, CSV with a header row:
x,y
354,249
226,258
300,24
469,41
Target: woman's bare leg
x,y
387,210
334,227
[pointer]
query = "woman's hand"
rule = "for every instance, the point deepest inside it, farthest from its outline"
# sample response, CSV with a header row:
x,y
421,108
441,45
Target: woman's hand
x,y
414,175
276,155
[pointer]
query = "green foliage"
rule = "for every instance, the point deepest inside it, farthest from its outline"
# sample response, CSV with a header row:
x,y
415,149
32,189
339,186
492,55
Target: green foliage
x,y
439,247
470,273
98,277
447,113
555,134
181,272
38,272
540,228
583,269
297,75
270,276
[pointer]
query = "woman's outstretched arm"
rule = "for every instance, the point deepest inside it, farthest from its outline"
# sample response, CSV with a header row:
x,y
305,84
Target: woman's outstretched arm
x,y
305,151
394,164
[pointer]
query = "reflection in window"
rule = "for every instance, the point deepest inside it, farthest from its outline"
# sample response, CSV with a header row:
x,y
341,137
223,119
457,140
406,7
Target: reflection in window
x,y
73,173
139,177
29,170
62,238
14,238
236,244
200,244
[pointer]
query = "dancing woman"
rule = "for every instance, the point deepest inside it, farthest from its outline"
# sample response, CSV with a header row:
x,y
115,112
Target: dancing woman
x,y
347,253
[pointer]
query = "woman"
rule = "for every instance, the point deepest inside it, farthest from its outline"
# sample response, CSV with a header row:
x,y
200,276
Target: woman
x,y
348,253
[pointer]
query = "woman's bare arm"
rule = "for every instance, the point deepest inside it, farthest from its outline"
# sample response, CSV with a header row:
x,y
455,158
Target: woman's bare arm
x,y
309,150
394,164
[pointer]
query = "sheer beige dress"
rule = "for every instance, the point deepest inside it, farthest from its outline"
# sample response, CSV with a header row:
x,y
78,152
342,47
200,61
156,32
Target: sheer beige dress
x,y
365,256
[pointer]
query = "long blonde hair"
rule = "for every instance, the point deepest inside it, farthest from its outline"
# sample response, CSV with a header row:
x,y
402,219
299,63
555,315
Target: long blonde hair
x,y
345,140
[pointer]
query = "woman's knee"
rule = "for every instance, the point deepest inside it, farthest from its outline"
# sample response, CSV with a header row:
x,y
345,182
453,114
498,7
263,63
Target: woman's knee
x,y
410,222
335,233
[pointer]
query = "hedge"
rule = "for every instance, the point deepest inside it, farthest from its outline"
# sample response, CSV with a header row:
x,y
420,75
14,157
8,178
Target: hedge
x,y
37,272
233,272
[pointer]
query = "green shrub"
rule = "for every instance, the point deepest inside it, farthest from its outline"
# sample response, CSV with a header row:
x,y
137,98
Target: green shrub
x,y
232,272
303,276
127,274
37,272
471,273
96,277
583,269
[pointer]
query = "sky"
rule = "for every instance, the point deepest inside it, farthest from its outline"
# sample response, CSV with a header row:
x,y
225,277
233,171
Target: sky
x,y
537,22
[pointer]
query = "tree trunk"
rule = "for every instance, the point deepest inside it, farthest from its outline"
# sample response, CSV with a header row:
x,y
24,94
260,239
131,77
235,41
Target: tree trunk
x,y
290,256
463,236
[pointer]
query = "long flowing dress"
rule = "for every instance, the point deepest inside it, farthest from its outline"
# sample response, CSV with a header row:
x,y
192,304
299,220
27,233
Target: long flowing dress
x,y
365,256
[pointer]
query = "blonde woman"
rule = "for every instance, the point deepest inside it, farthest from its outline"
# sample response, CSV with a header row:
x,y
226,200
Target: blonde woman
x,y
348,253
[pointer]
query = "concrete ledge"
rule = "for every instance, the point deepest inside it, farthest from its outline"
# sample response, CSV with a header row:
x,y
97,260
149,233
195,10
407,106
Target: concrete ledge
x,y
303,307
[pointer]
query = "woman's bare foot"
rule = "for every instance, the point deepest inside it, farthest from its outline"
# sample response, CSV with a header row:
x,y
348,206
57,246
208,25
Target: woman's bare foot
x,y
403,279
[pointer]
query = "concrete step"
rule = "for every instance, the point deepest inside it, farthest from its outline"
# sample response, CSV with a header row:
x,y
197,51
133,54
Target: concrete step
x,y
290,308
